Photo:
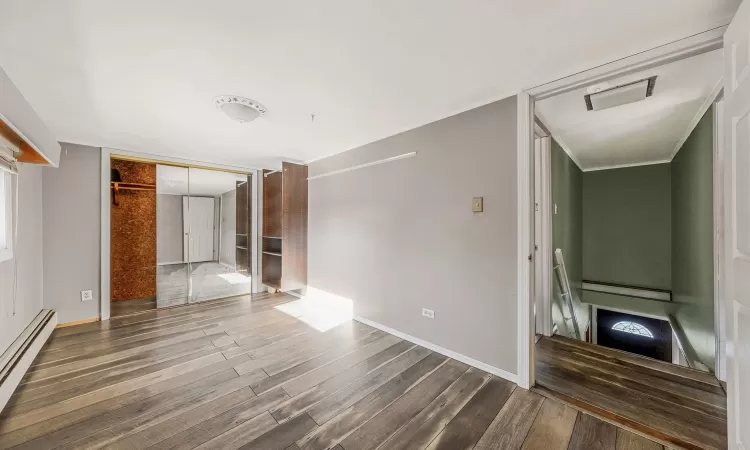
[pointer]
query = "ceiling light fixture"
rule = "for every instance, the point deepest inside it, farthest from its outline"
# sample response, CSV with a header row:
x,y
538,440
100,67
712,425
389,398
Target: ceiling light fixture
x,y
240,109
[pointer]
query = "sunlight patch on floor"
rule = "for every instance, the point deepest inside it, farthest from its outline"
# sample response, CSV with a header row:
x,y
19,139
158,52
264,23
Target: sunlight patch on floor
x,y
235,278
319,309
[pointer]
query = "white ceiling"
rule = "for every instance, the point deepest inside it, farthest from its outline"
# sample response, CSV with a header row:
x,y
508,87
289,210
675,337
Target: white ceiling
x,y
183,181
645,132
140,75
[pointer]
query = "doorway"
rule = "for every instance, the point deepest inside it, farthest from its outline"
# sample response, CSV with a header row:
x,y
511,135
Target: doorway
x,y
633,245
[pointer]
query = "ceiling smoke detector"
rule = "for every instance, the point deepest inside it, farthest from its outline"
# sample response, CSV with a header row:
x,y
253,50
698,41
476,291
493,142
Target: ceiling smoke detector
x,y
620,95
240,109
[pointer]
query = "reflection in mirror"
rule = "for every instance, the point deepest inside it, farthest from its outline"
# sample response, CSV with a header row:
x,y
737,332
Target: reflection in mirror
x,y
218,245
202,235
171,236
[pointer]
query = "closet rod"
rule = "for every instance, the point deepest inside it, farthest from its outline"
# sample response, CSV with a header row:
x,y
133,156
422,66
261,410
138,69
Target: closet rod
x,y
362,166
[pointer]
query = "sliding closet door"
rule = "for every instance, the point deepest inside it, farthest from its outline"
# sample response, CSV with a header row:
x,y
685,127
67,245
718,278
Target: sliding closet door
x,y
172,184
218,235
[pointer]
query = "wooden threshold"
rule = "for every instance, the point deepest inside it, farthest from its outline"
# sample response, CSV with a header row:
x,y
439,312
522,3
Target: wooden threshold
x,y
670,404
77,322
614,419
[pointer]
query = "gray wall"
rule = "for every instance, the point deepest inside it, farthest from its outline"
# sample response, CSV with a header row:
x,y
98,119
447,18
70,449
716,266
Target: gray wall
x,y
169,228
627,226
692,239
401,236
28,257
71,233
567,235
228,225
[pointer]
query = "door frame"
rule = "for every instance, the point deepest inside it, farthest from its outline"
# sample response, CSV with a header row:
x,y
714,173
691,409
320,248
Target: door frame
x,y
685,48
543,230
105,203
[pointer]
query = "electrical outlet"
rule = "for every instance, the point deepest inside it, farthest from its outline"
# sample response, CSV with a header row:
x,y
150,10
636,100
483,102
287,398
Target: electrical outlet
x,y
87,295
430,314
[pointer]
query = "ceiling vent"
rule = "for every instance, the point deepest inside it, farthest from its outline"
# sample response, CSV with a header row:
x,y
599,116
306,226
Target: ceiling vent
x,y
620,95
240,109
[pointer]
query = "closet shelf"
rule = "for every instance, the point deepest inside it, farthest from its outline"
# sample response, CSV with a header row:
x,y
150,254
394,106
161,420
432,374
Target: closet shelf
x,y
272,237
241,247
133,186
272,253
118,186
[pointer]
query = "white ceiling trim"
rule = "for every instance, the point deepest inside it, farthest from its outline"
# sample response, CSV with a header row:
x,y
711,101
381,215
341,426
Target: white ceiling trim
x,y
177,160
471,106
696,44
559,141
710,99
623,166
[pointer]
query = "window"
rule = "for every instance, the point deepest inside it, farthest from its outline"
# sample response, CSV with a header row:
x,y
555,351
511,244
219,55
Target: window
x,y
632,328
6,219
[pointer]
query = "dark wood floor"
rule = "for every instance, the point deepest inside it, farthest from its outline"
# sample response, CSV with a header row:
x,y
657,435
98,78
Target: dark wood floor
x,y
673,404
242,374
127,307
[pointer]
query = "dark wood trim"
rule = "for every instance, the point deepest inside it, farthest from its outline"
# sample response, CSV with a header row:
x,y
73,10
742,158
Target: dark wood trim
x,y
294,227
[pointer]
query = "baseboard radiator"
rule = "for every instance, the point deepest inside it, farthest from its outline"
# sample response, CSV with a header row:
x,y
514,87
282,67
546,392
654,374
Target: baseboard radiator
x,y
18,357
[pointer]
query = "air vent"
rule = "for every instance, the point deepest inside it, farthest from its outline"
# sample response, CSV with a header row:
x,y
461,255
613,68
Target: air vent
x,y
620,95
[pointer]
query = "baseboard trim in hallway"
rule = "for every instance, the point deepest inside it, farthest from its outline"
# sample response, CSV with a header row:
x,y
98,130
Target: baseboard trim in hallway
x,y
77,322
443,351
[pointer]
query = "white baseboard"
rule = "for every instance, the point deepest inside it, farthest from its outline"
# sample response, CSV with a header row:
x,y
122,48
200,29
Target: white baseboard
x,y
443,351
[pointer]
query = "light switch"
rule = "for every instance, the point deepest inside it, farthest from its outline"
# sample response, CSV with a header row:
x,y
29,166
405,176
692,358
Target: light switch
x,y
477,204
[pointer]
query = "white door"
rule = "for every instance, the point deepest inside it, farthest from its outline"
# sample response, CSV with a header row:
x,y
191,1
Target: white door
x,y
198,220
737,223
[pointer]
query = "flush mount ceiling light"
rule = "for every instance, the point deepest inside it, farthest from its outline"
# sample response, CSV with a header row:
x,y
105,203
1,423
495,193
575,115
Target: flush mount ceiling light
x,y
240,109
620,95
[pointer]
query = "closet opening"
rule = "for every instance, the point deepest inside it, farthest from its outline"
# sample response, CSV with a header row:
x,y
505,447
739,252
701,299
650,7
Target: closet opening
x,y
178,234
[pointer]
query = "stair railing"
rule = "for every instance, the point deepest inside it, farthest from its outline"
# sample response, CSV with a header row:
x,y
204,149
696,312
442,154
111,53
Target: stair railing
x,y
567,292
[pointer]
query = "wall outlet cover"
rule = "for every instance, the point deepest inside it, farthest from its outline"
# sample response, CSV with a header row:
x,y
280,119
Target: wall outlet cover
x,y
430,314
477,204
87,295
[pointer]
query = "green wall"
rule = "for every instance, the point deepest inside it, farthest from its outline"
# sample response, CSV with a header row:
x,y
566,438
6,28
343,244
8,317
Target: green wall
x,y
567,232
628,227
692,239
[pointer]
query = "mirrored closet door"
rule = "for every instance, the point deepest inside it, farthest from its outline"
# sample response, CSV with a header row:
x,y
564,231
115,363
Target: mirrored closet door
x,y
218,234
203,235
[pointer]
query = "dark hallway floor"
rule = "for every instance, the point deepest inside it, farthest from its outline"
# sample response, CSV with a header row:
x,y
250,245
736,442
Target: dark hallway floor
x,y
673,404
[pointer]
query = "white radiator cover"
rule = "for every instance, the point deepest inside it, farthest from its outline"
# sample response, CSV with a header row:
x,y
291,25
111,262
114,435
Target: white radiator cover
x,y
18,357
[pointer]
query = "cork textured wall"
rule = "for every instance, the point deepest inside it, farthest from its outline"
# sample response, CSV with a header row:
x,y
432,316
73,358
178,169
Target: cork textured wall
x,y
133,234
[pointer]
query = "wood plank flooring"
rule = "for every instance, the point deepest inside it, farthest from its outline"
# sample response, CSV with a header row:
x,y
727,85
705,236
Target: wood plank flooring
x,y
241,374
127,307
675,405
